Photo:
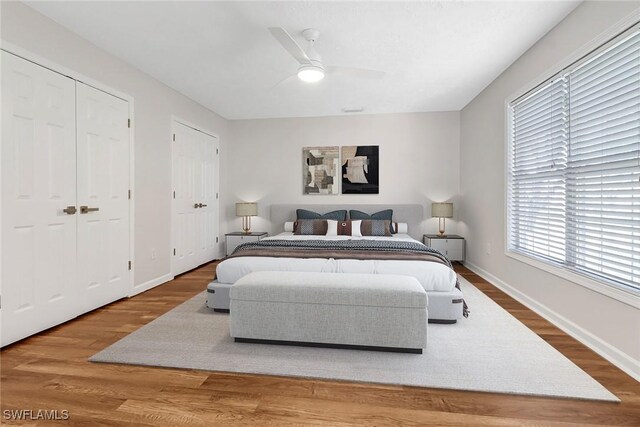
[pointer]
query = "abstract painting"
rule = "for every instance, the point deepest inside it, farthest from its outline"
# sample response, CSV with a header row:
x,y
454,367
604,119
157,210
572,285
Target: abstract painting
x,y
360,170
320,170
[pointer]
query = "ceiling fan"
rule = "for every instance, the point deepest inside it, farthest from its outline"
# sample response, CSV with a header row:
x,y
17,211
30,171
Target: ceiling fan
x,y
311,67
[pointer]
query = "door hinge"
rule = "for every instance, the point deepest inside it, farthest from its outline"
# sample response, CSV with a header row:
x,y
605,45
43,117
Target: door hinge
x,y
129,265
129,123
174,251
174,194
216,239
129,194
216,195
174,137
217,152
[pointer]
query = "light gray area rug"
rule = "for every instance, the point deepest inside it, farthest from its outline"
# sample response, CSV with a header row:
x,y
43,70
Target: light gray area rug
x,y
491,351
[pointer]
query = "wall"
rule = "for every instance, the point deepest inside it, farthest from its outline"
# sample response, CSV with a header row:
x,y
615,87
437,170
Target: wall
x,y
607,325
419,160
154,104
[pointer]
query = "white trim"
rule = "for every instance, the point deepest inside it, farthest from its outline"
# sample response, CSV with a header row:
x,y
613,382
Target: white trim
x,y
57,68
194,127
629,298
60,69
588,47
614,355
151,284
597,286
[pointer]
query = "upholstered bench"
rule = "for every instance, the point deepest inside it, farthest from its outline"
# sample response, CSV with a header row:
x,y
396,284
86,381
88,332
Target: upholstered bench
x,y
368,311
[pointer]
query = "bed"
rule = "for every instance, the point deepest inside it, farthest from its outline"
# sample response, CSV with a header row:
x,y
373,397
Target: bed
x,y
398,254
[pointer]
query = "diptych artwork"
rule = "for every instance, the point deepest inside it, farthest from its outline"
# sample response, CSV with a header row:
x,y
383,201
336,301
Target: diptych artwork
x,y
360,169
320,169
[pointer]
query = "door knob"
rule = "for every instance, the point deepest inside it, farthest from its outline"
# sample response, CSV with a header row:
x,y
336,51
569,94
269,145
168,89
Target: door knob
x,y
203,206
70,210
87,209
196,205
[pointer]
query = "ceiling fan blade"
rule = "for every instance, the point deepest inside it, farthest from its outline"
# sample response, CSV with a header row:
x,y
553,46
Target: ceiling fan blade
x,y
286,79
290,45
356,72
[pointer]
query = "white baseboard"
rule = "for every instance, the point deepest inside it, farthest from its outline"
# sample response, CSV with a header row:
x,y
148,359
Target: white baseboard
x,y
622,360
150,284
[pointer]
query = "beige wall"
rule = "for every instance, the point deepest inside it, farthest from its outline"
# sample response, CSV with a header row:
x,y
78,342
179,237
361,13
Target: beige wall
x,y
419,159
612,327
154,104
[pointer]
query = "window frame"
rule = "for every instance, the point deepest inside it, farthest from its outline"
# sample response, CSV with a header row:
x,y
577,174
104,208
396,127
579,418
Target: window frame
x,y
600,285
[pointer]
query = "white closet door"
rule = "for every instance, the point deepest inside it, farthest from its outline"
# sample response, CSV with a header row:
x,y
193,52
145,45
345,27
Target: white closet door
x,y
38,182
103,187
208,213
195,176
184,210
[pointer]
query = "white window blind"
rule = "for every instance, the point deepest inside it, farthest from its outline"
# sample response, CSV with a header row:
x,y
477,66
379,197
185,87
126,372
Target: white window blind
x,y
574,167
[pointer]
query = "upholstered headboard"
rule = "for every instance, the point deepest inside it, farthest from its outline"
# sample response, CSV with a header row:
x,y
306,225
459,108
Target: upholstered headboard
x,y
413,215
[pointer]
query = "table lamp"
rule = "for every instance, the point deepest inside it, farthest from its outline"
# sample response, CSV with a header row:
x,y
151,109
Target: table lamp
x,y
441,211
246,211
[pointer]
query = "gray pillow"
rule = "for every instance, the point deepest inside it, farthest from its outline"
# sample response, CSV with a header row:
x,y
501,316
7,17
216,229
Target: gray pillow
x,y
386,214
335,215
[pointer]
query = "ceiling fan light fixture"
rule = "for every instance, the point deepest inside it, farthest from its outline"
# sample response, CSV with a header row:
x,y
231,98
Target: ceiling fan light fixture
x,y
310,73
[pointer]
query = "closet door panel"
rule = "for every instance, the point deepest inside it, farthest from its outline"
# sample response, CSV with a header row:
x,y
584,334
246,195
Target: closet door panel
x,y
184,222
208,214
102,180
195,179
38,182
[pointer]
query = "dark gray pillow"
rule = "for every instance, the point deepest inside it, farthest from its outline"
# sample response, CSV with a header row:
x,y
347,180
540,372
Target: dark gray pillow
x,y
386,214
335,215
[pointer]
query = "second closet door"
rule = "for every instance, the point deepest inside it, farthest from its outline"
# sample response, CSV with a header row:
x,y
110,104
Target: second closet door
x,y
195,205
103,196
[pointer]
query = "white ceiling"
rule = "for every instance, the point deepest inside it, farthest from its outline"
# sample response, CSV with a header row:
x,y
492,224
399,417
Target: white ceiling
x,y
438,55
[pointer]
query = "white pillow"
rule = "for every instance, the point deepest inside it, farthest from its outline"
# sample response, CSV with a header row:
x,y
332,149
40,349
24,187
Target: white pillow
x,y
355,228
332,228
288,226
403,227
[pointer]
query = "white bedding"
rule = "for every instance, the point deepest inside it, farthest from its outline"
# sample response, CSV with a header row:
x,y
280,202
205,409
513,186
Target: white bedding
x,y
432,276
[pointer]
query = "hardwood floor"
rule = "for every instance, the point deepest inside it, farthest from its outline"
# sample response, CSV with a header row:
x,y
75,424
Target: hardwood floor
x,y
50,371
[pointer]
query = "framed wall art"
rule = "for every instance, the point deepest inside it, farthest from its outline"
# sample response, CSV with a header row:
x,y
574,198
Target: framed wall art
x,y
320,169
360,169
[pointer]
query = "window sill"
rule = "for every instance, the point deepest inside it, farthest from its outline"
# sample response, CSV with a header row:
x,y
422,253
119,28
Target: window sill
x,y
625,297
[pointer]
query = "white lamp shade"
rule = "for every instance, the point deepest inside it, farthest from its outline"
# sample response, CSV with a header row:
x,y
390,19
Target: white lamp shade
x,y
246,209
442,210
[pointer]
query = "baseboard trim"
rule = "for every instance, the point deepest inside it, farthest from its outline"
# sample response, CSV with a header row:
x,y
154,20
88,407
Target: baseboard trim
x,y
620,359
150,284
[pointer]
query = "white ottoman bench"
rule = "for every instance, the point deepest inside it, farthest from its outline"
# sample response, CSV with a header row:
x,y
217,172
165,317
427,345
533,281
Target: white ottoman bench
x,y
367,311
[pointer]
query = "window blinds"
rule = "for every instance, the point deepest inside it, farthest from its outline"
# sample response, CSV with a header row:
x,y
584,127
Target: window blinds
x,y
574,172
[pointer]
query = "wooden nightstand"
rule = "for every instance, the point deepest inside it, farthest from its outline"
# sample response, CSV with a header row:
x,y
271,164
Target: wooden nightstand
x,y
232,240
451,245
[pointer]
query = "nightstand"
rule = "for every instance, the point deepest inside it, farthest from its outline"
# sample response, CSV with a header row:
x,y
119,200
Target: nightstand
x,y
451,245
232,240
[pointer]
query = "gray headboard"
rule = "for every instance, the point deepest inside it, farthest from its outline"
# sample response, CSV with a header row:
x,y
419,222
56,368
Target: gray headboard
x,y
413,215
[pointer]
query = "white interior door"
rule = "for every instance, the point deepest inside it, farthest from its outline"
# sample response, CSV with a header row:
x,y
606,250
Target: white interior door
x,y
103,196
195,202
207,199
38,182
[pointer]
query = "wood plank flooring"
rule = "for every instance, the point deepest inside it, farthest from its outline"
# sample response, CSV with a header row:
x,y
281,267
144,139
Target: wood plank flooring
x,y
50,371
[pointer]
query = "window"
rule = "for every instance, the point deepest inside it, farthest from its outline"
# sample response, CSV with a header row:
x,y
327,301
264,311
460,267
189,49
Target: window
x,y
574,167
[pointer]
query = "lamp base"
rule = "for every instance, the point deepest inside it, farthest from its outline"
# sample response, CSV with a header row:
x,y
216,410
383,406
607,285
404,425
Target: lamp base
x,y
246,224
441,225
